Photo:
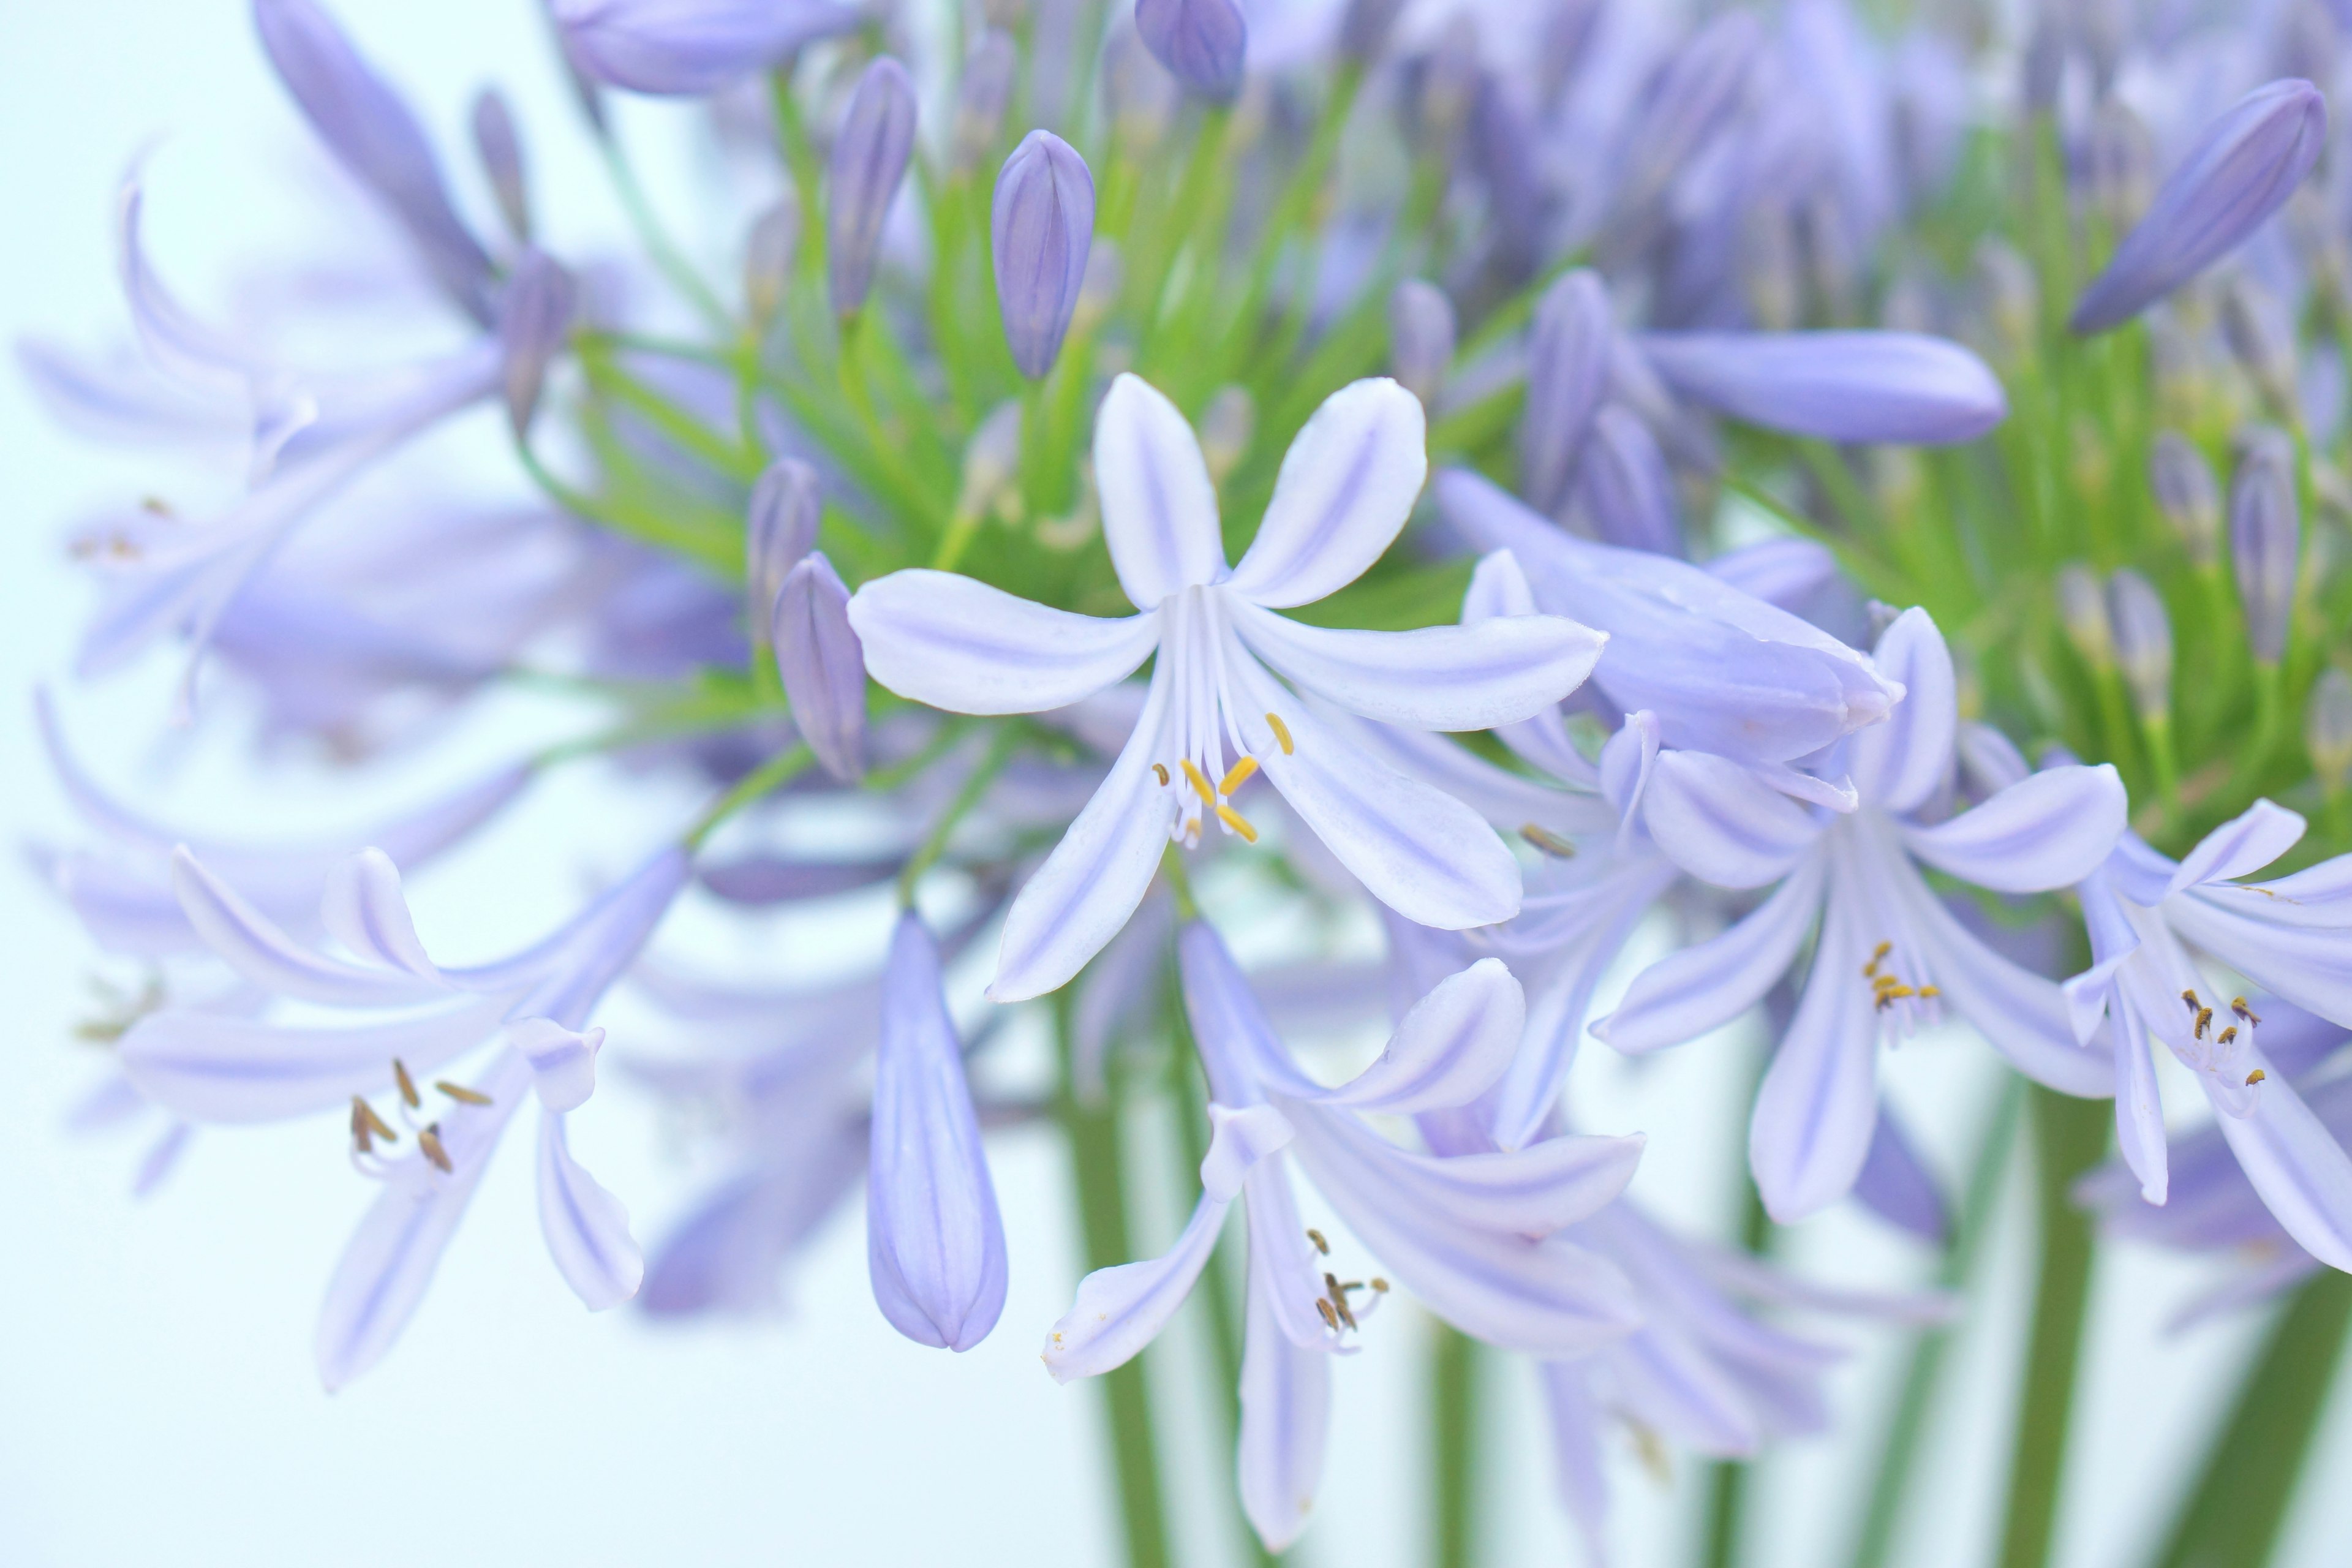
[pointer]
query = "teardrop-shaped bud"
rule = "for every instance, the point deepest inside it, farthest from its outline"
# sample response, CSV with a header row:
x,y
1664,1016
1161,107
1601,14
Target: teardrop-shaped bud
x,y
768,253
1041,226
869,159
1567,370
2266,537
534,321
2327,729
1421,337
823,665
2187,494
2143,634
1624,488
500,151
2082,611
1202,42
779,529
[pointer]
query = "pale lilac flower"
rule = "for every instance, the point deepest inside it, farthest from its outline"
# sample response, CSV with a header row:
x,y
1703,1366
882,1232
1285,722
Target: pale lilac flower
x,y
2243,169
779,529
1569,351
1474,1238
823,669
869,159
691,46
1202,42
1213,714
1844,386
1890,957
1041,224
1624,487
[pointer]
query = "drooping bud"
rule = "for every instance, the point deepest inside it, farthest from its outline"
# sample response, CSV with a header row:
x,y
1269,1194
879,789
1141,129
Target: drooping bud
x,y
2263,342
2244,169
500,150
981,95
1202,42
1624,488
2143,637
823,665
2327,729
1567,370
1226,426
869,159
2187,494
2266,537
768,253
1421,337
694,48
1040,228
534,321
779,529
2083,611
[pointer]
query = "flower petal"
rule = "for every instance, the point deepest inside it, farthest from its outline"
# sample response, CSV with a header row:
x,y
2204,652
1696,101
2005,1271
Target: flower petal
x,y
251,943
1896,1186
1498,588
1844,386
2240,846
562,1062
1702,987
2048,830
1721,823
366,910
1434,677
1532,1192
587,1228
1818,1105
960,645
1508,800
1448,1049
2302,1173
1120,1310
219,1066
1898,763
1158,505
1346,486
1286,1398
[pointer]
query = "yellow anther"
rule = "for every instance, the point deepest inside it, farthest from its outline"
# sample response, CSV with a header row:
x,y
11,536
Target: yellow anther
x,y
2238,1005
2226,1035
429,1140
1234,820
2204,1019
2255,1077
363,1116
1281,732
1894,993
1877,956
2189,999
460,1093
1886,982
1316,1237
1330,1318
1161,769
1380,1285
1237,776
1928,993
407,1084
1336,1294
1199,781
1550,843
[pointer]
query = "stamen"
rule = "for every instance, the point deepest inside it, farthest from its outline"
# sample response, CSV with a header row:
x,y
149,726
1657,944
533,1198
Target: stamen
x,y
1239,824
1161,769
2255,1077
1316,1237
1330,1318
1929,993
361,1140
1281,732
1877,956
429,1140
2226,1035
2190,998
407,1084
1199,781
2204,1018
1236,776
363,1115
1550,843
1337,1295
2238,1005
1380,1285
460,1093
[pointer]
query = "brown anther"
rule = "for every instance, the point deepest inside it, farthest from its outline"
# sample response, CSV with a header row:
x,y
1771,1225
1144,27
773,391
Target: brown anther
x,y
2238,1005
1380,1285
2190,999
460,1093
155,506
1161,769
1330,1318
1237,776
363,1115
1929,993
1281,732
2204,1020
1336,1294
407,1084
1550,843
2226,1035
360,1138
1316,1237
429,1140
2255,1077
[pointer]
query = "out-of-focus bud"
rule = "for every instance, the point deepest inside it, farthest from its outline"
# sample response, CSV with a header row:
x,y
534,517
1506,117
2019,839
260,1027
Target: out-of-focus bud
x,y
1841,387
1099,292
1770,270
690,48
779,530
2309,43
1421,337
2143,636
1566,32
2012,299
534,320
981,95
1005,14
2248,163
1364,30
1695,93
500,150
823,665
2263,342
1040,227
1567,370
1624,488
2266,537
2187,495
2119,164
1139,95
2042,66
991,460
2327,729
1444,84
1502,147
1226,426
1202,42
869,159
2083,611
768,256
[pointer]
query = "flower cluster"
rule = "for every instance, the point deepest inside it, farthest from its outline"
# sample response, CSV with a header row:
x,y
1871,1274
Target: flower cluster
x,y
1611,507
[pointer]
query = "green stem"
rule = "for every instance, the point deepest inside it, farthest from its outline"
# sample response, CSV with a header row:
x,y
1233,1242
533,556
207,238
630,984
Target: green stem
x,y
1454,1438
1098,1169
1726,1499
2070,1136
2249,1478
777,771
666,257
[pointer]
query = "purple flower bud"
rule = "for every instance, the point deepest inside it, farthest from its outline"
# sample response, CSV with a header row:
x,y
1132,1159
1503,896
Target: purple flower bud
x,y
2261,340
2187,494
1444,81
690,46
1139,97
2249,162
2119,164
375,137
534,319
1839,386
934,1239
981,95
495,143
1503,147
2082,611
2143,637
869,159
2266,537
1624,488
1364,29
1566,30
768,256
1040,227
2327,729
1693,96
1421,337
779,529
1567,370
1202,42
823,664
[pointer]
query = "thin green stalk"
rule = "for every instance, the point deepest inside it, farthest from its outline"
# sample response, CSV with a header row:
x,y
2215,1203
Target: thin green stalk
x,y
2070,1137
2233,1519
773,774
666,257
1727,1482
1098,1171
1453,1440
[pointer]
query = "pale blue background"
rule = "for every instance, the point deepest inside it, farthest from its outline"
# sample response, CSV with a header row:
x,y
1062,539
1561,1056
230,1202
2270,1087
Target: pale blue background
x,y
156,1397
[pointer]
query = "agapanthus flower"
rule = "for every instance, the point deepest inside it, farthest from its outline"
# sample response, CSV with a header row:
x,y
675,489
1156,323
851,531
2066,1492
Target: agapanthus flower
x,y
1215,715
690,46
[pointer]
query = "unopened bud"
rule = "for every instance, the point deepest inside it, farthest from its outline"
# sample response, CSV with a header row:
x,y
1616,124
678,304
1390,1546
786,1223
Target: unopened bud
x,y
779,530
2187,494
1694,95
1625,487
2083,611
2266,537
1567,370
1226,426
500,150
768,253
534,321
823,666
2119,164
2143,641
869,159
1138,94
990,462
1364,29
2327,729
981,97
1202,42
2263,342
1444,83
1040,227
1421,337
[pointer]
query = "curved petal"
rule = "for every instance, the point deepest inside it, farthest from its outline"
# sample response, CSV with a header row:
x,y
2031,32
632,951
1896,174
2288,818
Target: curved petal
x,y
1498,586
1721,823
1896,1184
251,943
1346,486
2302,1174
960,645
1531,1192
1449,1048
1843,387
1818,1105
587,1228
2048,830
562,1062
1158,505
1077,900
1434,678
366,910
1510,800
1900,762
1702,987
2240,846
2139,1106
1286,1398
1120,1310
216,1067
